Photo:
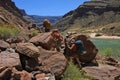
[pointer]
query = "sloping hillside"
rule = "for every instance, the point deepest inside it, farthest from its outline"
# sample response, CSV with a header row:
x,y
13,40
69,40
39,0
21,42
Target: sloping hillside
x,y
11,15
94,13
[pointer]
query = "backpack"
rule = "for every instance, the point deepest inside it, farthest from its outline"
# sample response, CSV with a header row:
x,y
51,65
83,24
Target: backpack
x,y
79,46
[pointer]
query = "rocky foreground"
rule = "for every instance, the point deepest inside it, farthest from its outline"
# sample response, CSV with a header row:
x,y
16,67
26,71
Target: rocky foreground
x,y
108,69
32,60
29,61
25,61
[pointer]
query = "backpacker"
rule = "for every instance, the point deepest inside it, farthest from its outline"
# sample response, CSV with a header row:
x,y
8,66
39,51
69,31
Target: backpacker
x,y
79,46
56,35
46,24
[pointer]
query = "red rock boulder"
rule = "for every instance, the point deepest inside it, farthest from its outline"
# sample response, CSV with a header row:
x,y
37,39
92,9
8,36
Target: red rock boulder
x,y
54,60
4,45
10,59
28,49
90,48
47,40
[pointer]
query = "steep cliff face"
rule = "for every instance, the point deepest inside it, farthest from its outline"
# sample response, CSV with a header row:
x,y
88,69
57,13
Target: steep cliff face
x,y
92,13
10,14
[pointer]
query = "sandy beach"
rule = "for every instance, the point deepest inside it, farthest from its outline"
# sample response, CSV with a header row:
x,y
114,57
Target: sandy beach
x,y
92,35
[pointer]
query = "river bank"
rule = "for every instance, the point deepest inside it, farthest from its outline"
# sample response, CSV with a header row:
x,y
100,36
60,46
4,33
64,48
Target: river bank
x,y
93,35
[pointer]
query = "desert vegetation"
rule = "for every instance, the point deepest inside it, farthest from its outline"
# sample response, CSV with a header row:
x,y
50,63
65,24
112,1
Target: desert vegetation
x,y
108,47
74,73
8,31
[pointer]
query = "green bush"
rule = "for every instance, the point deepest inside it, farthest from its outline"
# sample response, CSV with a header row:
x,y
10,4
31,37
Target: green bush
x,y
108,47
34,33
107,52
98,34
73,73
8,31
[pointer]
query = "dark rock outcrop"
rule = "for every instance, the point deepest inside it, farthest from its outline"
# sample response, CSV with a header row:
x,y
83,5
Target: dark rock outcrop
x,y
5,73
92,13
23,12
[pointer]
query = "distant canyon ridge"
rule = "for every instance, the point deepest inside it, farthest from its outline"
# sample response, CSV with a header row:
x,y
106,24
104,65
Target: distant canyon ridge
x,y
94,15
10,14
39,19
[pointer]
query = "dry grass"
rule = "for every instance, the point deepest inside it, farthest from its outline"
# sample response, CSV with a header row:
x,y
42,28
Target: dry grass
x,y
8,31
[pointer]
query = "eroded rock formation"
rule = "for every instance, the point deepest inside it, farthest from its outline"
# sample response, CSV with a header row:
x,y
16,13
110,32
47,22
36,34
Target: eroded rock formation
x,y
93,13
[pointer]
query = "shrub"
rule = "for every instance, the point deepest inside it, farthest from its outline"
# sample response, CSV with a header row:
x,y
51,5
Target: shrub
x,y
118,35
34,32
108,47
73,73
107,52
98,34
8,31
